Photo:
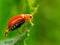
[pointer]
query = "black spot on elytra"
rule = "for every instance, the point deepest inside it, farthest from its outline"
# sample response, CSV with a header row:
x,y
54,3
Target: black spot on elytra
x,y
17,25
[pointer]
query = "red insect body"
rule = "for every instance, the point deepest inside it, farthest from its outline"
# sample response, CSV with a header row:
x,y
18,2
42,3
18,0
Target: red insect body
x,y
15,20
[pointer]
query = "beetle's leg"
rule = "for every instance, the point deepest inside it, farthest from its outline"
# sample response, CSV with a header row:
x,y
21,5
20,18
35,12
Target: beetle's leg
x,y
18,31
26,29
6,32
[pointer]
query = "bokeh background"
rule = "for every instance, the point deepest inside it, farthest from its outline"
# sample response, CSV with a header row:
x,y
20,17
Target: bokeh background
x,y
46,29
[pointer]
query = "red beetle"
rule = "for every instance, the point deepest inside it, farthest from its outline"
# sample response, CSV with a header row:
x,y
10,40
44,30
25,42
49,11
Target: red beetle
x,y
17,21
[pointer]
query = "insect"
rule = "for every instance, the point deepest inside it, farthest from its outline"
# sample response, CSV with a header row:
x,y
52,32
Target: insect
x,y
17,21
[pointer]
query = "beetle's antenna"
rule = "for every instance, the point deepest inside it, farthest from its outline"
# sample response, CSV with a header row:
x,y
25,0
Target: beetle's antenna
x,y
32,24
33,13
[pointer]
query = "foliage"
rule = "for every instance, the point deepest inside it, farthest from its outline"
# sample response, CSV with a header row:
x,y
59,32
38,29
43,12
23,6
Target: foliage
x,y
46,29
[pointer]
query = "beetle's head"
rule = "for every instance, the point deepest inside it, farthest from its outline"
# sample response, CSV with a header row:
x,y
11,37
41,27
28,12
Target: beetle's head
x,y
28,16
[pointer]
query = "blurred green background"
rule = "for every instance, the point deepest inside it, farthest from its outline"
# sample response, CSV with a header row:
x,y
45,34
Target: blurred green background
x,y
46,29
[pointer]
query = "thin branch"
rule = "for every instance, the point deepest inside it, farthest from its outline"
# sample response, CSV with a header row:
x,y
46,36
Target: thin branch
x,y
35,10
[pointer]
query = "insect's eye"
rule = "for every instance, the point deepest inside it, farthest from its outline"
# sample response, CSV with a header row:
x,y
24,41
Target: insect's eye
x,y
30,16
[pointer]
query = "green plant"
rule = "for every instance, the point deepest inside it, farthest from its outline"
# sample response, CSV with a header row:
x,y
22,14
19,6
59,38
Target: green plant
x,y
14,7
